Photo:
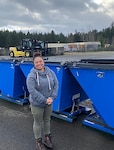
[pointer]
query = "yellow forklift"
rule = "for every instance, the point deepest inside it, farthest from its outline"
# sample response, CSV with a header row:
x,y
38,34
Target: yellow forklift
x,y
28,47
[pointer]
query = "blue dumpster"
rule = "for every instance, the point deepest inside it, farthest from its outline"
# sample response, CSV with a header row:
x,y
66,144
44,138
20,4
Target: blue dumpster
x,y
12,82
68,87
96,77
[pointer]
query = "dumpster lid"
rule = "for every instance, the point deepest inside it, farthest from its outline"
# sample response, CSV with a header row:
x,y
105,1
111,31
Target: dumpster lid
x,y
61,63
98,61
95,64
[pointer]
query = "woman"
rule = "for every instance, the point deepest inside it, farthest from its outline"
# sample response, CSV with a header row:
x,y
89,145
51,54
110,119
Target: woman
x,y
42,85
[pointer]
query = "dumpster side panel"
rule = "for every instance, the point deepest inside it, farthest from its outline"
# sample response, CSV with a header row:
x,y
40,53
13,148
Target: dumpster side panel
x,y
69,88
20,88
59,73
99,85
26,67
7,70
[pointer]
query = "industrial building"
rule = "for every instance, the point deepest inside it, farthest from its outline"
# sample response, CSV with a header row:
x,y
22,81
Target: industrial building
x,y
78,46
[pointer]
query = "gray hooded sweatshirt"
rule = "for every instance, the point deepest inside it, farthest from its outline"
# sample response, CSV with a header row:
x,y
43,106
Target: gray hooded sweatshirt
x,y
41,85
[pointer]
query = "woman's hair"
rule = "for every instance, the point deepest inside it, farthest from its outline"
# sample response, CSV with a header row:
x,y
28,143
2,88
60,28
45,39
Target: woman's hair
x,y
37,54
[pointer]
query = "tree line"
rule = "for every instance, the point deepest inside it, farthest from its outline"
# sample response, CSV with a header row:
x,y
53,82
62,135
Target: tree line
x,y
13,38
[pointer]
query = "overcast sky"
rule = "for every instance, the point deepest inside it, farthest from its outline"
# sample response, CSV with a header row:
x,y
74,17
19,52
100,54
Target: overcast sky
x,y
66,16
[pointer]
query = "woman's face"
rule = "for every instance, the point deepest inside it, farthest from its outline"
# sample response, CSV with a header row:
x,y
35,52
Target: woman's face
x,y
39,63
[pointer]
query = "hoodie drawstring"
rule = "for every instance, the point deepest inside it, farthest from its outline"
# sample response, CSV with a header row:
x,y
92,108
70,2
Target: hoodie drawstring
x,y
37,77
48,82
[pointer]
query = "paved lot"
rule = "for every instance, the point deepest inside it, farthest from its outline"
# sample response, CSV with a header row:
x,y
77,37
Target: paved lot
x,y
16,132
16,124
73,56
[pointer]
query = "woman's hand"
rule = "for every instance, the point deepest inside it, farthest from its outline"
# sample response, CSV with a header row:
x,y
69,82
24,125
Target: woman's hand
x,y
49,101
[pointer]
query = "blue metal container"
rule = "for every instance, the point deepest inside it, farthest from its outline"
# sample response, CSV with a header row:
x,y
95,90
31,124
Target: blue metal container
x,y
68,86
12,82
97,79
